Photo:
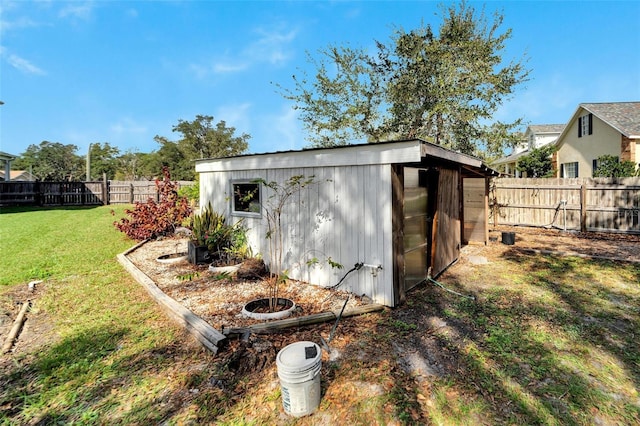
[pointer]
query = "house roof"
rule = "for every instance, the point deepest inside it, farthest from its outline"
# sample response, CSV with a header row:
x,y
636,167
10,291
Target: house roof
x,y
15,174
546,128
622,116
393,152
512,158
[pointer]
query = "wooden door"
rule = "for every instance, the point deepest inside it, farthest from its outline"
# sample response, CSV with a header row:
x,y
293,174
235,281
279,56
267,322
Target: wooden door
x,y
446,224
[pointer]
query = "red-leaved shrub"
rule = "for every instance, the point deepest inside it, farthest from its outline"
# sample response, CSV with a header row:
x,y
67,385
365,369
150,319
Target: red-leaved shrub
x,y
153,219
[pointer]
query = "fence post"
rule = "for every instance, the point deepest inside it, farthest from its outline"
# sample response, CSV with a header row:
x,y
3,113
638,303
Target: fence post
x,y
583,207
105,190
131,193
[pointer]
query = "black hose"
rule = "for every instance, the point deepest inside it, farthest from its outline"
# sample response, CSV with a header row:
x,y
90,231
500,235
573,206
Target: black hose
x,y
355,268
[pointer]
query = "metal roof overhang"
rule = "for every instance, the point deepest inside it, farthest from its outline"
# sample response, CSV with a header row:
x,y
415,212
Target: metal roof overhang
x,y
401,152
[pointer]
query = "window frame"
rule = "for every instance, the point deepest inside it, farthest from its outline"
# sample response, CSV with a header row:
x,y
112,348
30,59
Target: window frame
x,y
232,198
585,125
564,167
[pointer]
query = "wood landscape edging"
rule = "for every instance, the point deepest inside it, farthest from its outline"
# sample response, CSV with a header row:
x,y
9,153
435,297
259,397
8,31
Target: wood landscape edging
x,y
274,326
208,336
199,328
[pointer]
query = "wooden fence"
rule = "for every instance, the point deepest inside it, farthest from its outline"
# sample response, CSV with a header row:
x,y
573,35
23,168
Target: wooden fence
x,y
129,192
16,193
580,204
51,193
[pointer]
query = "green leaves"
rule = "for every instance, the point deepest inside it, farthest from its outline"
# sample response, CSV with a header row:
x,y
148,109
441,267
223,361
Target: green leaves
x,y
611,166
443,87
538,162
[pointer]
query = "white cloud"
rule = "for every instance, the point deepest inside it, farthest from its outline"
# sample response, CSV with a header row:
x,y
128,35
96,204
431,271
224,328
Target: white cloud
x,y
17,24
21,64
549,99
127,126
279,132
271,47
227,67
76,10
222,67
235,115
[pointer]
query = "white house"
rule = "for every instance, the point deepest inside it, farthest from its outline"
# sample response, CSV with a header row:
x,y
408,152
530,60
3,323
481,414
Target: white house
x,y
403,209
594,130
536,136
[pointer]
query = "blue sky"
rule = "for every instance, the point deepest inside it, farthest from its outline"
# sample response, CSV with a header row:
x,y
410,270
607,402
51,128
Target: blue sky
x,y
80,72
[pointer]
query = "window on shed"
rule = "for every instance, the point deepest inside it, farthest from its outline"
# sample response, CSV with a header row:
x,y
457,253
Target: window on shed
x,y
246,198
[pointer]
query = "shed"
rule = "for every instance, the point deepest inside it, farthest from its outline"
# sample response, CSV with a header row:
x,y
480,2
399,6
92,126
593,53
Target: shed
x,y
403,209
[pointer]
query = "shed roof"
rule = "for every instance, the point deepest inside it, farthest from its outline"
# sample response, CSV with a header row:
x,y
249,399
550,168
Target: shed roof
x,y
393,152
5,156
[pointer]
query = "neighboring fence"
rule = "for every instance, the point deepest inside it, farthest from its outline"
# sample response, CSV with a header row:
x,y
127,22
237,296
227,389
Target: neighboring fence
x,y
591,204
128,192
16,193
51,193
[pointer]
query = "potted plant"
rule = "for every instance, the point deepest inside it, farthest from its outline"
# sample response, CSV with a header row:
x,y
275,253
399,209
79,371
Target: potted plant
x,y
213,240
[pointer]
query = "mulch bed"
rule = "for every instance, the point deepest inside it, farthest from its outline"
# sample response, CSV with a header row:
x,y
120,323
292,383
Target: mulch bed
x,y
220,301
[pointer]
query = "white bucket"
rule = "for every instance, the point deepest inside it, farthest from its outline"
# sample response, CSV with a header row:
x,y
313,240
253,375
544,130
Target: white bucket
x,y
299,367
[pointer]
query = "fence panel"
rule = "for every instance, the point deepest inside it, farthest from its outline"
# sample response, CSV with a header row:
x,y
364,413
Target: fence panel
x,y
129,192
16,193
593,204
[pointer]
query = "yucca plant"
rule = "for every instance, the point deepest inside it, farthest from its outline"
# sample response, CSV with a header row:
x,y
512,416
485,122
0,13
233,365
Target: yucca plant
x,y
210,229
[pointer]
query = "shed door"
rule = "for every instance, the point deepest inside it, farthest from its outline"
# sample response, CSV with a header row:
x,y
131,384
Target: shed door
x,y
416,229
446,228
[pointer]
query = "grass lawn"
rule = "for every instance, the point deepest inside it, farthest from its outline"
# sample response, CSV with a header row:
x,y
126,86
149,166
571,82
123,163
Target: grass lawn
x,y
545,341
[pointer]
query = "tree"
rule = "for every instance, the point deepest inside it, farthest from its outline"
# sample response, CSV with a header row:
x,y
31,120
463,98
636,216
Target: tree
x,y
344,105
171,156
538,162
103,159
52,161
134,165
611,166
442,87
200,139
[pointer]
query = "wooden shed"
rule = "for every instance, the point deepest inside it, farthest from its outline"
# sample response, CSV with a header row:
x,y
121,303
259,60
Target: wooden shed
x,y
403,209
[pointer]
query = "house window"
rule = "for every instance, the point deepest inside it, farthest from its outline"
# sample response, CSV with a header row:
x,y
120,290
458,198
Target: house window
x,y
569,170
585,125
246,198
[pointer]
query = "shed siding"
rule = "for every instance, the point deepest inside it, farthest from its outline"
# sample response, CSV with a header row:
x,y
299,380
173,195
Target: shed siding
x,y
345,215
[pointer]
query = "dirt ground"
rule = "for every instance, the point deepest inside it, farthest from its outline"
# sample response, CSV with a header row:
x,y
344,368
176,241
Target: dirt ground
x,y
219,302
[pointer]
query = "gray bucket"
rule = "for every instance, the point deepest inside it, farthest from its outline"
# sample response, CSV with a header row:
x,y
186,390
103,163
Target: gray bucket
x,y
299,367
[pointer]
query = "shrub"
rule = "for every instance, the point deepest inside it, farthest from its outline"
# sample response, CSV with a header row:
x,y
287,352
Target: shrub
x,y
611,166
191,192
151,219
